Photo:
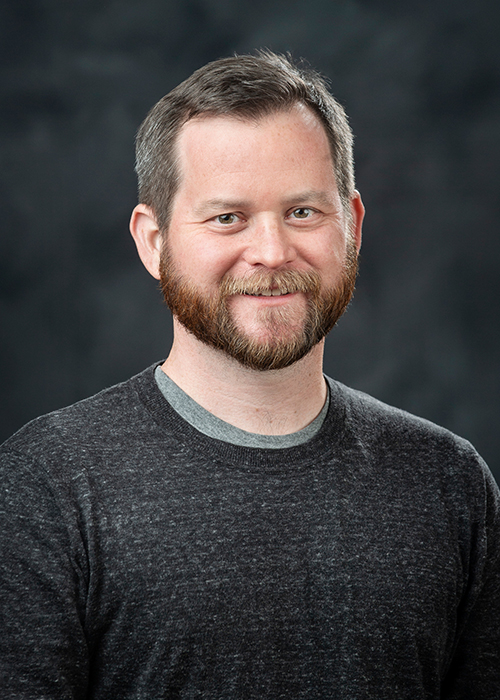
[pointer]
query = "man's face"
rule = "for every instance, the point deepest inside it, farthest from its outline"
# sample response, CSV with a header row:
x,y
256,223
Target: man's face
x,y
258,260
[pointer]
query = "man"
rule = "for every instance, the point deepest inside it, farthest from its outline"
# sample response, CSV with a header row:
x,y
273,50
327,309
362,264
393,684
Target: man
x,y
229,524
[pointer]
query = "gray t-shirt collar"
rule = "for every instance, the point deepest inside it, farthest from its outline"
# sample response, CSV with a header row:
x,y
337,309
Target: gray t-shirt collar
x,y
214,427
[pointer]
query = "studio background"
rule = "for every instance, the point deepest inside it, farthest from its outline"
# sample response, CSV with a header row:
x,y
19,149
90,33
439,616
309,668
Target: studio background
x,y
421,84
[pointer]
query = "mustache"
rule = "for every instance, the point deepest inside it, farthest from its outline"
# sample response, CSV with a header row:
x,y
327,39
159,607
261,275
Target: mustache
x,y
285,281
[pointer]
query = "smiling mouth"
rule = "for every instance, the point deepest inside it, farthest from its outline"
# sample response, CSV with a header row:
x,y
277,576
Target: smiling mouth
x,y
278,284
267,293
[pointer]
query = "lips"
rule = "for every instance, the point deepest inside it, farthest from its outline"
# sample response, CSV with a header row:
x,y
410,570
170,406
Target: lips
x,y
267,293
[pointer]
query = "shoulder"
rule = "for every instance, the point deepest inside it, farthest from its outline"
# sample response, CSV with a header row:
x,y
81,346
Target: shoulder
x,y
114,414
404,443
377,421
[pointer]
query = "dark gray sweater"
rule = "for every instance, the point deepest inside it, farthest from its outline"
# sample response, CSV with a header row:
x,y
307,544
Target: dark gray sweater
x,y
142,559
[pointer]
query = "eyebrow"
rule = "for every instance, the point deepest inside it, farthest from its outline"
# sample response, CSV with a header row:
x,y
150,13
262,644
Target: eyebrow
x,y
225,205
228,205
313,196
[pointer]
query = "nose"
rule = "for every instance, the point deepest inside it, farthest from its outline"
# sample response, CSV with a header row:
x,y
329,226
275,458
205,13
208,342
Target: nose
x,y
270,244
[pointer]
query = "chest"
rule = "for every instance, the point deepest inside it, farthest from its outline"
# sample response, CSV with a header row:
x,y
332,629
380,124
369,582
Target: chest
x,y
312,551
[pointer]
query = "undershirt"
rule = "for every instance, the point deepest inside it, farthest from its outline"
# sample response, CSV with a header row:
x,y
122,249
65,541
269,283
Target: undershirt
x,y
214,427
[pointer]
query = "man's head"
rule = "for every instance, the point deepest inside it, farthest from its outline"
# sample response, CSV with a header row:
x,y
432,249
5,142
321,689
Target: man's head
x,y
246,87
247,217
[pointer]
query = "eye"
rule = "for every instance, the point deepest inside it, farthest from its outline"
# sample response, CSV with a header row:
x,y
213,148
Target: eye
x,y
227,219
302,213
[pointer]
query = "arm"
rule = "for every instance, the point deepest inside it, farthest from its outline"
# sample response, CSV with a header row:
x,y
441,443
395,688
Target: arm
x,y
474,673
43,651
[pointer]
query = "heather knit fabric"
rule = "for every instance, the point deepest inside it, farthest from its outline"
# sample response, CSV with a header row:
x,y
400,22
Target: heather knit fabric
x,y
144,560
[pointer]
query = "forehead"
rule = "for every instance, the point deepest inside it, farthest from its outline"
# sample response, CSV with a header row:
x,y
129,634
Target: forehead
x,y
228,139
299,123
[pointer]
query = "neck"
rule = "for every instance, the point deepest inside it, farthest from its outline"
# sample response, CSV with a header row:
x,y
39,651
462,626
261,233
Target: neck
x,y
276,402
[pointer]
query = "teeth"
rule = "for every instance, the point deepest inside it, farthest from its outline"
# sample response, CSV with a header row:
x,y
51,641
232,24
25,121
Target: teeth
x,y
268,293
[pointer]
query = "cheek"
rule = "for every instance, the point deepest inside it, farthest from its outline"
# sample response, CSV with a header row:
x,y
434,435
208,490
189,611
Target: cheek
x,y
203,261
326,256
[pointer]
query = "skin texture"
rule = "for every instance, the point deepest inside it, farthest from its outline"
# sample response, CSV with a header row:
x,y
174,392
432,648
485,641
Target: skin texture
x,y
256,198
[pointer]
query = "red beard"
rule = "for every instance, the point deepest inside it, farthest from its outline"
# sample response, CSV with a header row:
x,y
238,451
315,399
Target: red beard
x,y
210,319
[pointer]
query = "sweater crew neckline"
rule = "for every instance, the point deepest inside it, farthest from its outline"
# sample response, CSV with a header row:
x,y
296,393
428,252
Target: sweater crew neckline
x,y
296,456
214,427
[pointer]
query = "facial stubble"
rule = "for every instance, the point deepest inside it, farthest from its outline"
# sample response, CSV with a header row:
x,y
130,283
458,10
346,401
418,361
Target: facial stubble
x,y
210,319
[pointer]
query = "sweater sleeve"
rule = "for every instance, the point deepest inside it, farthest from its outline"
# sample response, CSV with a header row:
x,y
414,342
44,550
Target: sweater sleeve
x,y
43,651
475,670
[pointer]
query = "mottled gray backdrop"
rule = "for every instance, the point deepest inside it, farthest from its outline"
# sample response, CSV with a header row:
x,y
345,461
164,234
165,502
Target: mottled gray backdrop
x,y
420,81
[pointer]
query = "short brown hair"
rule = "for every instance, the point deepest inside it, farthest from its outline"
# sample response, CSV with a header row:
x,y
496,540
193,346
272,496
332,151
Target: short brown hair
x,y
247,87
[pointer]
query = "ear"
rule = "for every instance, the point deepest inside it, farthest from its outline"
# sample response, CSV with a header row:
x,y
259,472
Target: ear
x,y
147,237
358,214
